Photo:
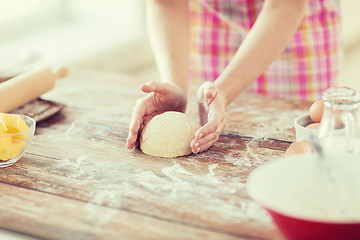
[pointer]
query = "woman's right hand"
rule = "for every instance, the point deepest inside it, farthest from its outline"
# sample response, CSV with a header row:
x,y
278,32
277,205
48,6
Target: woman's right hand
x,y
161,97
212,117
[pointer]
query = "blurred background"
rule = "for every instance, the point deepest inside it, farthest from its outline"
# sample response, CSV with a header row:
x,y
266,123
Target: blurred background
x,y
110,35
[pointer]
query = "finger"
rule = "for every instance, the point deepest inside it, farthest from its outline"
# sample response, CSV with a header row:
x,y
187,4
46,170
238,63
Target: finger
x,y
207,92
211,133
210,94
199,145
213,122
207,146
152,86
137,118
133,133
136,122
148,87
137,142
207,133
133,141
200,93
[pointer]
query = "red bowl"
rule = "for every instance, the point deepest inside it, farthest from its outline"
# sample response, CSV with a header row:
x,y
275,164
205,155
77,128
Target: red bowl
x,y
297,197
301,229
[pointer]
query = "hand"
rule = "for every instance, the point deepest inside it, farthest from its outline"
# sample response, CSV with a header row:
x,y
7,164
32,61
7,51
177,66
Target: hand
x,y
162,97
212,117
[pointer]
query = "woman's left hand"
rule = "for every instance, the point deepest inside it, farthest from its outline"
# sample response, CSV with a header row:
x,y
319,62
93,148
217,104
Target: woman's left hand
x,y
212,117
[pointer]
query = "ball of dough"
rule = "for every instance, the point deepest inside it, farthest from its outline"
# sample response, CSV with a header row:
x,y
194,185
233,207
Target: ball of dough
x,y
168,135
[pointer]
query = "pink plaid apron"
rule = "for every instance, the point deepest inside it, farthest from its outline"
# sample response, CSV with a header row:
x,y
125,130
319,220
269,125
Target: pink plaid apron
x,y
308,65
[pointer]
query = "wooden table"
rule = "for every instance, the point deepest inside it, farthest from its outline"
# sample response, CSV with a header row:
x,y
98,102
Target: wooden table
x,y
79,181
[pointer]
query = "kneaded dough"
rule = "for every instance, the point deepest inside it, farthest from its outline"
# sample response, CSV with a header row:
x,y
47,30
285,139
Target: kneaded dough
x,y
168,135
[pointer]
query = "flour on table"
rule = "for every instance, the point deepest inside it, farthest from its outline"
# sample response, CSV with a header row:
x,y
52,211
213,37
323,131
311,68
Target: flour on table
x,y
114,184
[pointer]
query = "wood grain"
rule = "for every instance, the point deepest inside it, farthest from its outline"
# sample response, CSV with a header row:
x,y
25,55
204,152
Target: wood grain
x,y
78,180
72,219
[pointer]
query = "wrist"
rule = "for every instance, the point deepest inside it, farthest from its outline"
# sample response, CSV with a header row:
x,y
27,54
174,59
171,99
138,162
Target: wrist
x,y
221,95
230,87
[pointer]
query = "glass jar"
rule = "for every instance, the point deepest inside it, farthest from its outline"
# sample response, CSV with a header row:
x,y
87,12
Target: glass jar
x,y
339,129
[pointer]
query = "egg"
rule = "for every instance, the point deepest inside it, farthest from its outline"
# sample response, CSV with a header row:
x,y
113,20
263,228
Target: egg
x,y
316,111
313,125
299,148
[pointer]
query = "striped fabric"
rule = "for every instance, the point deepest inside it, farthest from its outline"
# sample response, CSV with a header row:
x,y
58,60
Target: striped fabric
x,y
309,64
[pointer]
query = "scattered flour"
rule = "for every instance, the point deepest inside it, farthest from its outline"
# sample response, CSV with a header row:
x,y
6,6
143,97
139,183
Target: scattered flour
x,y
117,184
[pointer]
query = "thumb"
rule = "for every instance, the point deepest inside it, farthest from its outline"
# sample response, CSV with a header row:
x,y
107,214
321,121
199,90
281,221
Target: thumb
x,y
152,86
206,93
210,92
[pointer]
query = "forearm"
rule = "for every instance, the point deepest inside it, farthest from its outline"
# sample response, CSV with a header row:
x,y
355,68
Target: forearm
x,y
275,26
168,28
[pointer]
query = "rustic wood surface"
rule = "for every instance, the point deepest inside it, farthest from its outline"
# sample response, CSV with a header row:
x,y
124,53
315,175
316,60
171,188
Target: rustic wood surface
x,y
78,180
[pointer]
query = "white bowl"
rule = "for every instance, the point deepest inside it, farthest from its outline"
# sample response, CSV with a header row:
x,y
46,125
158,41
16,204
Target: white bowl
x,y
301,131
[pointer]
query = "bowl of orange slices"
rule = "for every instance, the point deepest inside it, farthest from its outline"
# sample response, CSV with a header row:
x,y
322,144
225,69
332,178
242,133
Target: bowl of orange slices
x,y
16,134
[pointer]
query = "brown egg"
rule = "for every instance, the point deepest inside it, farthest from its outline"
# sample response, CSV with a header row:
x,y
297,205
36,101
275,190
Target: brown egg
x,y
313,125
316,111
299,148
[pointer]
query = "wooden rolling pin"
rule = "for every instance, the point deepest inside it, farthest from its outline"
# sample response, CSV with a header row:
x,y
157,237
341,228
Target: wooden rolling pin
x,y
28,86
